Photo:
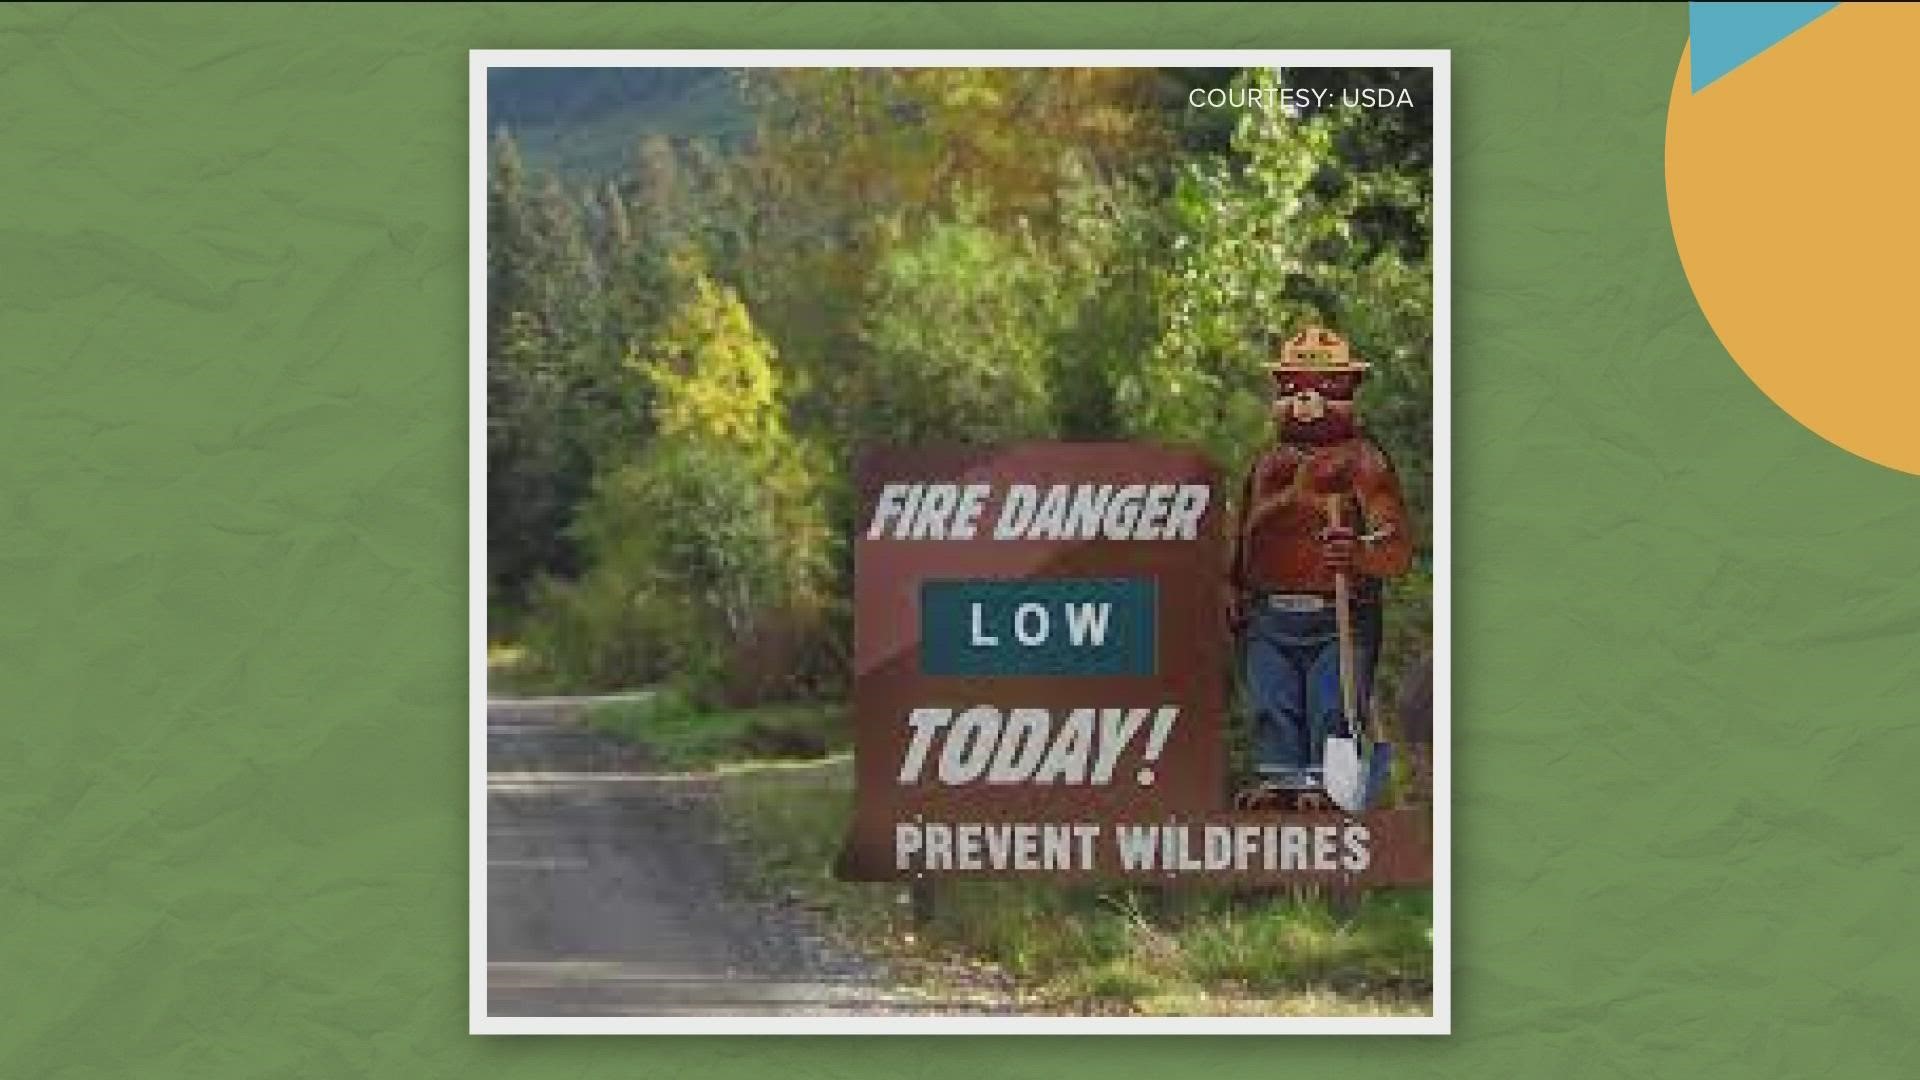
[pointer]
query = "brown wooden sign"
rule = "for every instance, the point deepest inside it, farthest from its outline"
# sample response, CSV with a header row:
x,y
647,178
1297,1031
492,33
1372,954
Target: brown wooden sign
x,y
1041,660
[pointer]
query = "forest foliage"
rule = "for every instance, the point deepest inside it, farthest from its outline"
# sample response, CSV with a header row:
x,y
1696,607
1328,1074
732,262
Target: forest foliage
x,y
684,358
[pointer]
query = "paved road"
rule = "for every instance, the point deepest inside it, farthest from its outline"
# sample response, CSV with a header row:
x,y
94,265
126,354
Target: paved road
x,y
611,894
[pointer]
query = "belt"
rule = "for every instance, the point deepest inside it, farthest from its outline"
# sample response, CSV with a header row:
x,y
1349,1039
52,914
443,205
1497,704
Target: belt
x,y
1296,603
1311,603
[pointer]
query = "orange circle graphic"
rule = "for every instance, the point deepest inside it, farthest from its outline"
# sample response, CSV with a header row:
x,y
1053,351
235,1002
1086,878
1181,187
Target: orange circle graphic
x,y
1794,196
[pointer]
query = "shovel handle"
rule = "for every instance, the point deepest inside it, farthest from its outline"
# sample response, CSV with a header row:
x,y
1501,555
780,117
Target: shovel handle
x,y
1343,618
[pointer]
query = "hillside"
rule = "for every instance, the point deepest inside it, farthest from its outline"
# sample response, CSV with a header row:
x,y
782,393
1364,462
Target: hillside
x,y
584,122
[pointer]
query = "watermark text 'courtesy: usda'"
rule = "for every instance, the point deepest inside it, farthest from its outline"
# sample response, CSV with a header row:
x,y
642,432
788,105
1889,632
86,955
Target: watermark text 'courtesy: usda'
x,y
1297,98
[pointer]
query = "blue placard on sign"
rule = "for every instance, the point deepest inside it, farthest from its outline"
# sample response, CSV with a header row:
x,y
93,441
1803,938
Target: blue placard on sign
x,y
1061,626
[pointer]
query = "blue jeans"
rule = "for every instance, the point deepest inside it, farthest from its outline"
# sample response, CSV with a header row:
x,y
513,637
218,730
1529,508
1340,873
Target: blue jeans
x,y
1292,663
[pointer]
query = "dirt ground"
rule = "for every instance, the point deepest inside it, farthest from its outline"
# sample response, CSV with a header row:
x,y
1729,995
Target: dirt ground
x,y
611,893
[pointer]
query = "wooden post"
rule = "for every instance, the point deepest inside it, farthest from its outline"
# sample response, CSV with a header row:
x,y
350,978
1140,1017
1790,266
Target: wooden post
x,y
920,896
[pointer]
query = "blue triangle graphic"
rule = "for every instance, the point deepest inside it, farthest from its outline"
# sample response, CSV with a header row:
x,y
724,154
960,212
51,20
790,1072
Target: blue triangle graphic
x,y
1728,35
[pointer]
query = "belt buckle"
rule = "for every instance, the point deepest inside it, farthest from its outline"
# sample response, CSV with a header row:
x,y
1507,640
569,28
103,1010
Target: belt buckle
x,y
1296,604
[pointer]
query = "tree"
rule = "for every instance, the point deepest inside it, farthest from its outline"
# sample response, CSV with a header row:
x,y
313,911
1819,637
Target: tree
x,y
571,287
707,551
850,164
953,342
1264,239
540,298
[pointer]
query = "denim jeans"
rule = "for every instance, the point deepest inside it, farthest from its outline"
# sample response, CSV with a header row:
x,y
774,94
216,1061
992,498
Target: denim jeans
x,y
1292,664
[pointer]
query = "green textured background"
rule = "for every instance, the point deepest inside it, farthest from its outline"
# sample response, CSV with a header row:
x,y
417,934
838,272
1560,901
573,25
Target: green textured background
x,y
233,573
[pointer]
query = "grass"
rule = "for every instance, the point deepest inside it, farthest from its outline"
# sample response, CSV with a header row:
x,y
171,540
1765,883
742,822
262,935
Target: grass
x,y
1087,949
684,737
785,780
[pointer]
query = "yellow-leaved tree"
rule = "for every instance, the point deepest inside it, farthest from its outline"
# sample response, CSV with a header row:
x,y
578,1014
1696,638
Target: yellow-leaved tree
x,y
709,551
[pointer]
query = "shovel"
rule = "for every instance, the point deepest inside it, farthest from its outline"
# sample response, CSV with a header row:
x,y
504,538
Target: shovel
x,y
1354,777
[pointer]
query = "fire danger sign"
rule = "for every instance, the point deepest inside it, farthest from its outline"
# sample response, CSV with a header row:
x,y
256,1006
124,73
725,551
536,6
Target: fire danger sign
x,y
1041,669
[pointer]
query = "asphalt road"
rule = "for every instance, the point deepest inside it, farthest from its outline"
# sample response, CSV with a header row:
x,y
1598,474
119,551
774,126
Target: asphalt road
x,y
611,893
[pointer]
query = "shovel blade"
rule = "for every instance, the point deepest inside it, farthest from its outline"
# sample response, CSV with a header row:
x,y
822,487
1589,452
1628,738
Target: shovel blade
x,y
1346,777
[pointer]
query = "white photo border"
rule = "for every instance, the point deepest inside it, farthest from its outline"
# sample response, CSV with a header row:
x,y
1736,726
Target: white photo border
x,y
1440,1022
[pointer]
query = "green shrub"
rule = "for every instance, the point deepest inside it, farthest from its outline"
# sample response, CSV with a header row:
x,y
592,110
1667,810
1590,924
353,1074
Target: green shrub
x,y
693,580
706,554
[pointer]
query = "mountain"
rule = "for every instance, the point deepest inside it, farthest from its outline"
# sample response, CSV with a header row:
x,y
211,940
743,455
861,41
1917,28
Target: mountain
x,y
585,122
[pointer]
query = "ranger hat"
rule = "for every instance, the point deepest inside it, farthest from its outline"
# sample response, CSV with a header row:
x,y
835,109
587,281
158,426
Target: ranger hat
x,y
1316,349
